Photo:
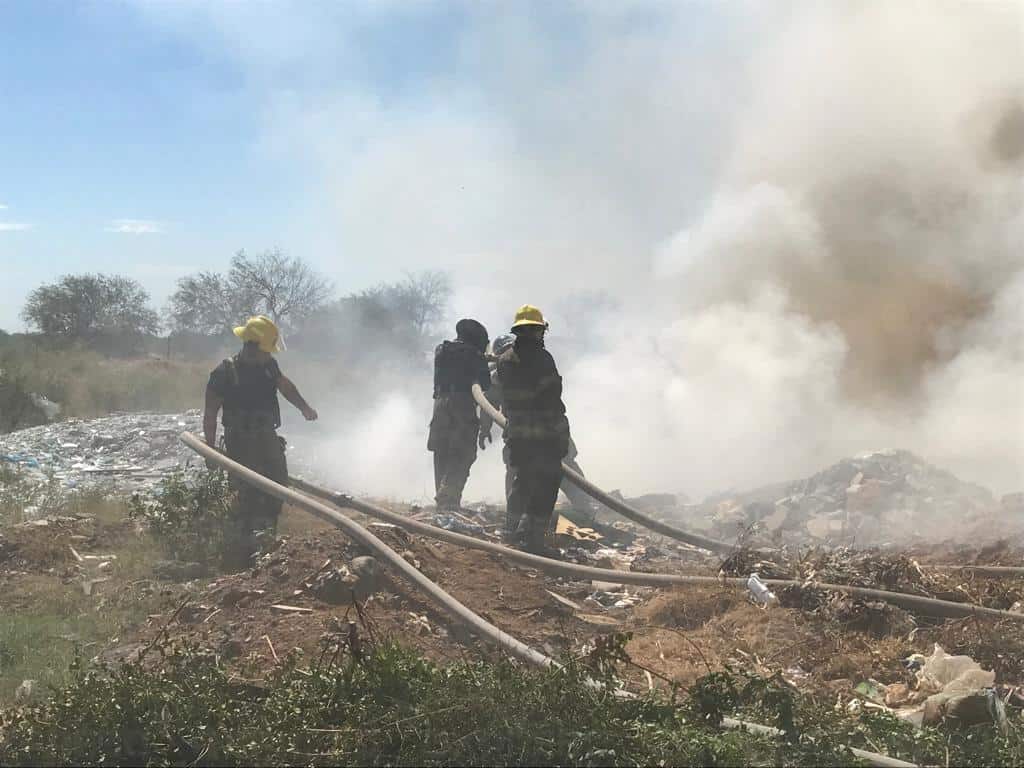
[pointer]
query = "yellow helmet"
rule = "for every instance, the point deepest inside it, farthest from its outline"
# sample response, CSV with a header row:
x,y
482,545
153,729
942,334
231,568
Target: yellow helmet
x,y
263,331
528,315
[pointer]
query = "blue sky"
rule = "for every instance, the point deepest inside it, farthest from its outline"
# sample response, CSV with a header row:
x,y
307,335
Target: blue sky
x,y
153,139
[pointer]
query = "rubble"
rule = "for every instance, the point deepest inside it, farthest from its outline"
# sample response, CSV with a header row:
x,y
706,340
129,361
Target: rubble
x,y
869,499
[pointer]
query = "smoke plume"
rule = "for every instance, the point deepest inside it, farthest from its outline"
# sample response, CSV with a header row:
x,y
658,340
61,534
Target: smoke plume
x,y
765,242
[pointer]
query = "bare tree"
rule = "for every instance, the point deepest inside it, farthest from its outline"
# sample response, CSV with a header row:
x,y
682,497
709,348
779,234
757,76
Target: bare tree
x,y
388,322
286,289
205,303
418,302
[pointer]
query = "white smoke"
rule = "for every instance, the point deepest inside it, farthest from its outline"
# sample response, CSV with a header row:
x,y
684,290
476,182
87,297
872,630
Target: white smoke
x,y
810,222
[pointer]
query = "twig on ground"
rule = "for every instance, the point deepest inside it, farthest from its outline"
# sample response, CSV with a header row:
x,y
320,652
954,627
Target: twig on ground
x,y
163,630
272,651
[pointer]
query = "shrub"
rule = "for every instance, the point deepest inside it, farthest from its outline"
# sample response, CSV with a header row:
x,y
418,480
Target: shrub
x,y
24,499
388,706
188,516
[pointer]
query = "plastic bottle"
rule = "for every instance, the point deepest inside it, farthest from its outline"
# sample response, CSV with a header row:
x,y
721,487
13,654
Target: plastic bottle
x,y
759,591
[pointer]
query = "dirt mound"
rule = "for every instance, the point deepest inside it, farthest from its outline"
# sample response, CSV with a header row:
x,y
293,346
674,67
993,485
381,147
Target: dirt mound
x,y
688,610
46,544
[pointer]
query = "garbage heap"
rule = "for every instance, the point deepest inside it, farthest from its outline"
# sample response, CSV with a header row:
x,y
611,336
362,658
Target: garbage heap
x,y
126,450
872,499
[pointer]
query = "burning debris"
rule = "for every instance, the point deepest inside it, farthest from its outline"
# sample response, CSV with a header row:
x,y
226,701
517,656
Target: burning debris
x,y
871,499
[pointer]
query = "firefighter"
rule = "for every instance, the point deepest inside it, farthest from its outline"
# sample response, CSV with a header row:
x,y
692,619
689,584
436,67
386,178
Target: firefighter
x,y
582,504
245,387
537,434
458,364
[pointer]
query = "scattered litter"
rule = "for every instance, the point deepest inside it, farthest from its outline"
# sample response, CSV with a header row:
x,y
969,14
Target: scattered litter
x,y
620,598
420,623
334,586
759,591
872,690
450,522
566,602
955,689
290,608
566,527
89,584
272,651
133,450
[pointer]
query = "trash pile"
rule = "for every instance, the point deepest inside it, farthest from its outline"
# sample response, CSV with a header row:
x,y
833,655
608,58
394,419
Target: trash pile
x,y
131,450
940,689
870,499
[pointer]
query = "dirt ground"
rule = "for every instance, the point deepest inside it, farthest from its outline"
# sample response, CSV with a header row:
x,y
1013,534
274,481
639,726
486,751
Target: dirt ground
x,y
255,618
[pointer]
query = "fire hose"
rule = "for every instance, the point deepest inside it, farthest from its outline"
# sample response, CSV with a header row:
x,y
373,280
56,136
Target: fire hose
x,y
618,505
928,606
446,602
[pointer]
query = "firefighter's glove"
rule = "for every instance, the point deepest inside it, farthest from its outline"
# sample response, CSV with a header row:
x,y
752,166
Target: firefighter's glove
x,y
484,439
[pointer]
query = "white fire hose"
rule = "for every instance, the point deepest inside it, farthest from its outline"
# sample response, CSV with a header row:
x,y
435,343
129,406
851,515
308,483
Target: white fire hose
x,y
442,599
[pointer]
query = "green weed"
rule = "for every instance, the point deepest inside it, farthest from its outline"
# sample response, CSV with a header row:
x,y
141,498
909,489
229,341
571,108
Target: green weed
x,y
188,517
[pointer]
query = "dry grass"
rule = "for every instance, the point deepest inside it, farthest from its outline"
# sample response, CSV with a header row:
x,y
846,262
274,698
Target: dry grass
x,y
87,385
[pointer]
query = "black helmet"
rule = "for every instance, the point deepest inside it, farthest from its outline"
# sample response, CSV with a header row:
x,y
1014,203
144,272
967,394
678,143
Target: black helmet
x,y
472,332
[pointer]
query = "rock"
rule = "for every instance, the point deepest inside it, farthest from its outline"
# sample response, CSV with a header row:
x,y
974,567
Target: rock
x,y
361,579
335,586
235,596
192,614
370,576
177,570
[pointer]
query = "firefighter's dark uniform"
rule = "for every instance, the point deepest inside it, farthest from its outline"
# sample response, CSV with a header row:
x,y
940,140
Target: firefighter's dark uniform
x,y
251,415
454,426
579,500
537,434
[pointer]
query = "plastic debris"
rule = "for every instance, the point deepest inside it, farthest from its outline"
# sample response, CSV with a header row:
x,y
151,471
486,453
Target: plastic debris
x,y
872,690
868,499
955,689
759,591
452,523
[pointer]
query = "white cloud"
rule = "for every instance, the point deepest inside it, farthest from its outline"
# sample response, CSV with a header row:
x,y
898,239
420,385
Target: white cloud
x,y
14,226
135,227
3,207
